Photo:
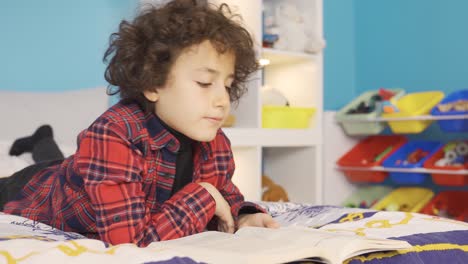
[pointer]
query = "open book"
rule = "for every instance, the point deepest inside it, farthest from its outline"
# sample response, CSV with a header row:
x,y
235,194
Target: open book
x,y
262,245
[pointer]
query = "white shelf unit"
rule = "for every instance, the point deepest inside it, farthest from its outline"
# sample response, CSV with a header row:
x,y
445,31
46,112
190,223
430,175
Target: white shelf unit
x,y
291,157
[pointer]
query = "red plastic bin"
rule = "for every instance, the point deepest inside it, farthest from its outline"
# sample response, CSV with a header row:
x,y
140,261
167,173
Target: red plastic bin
x,y
370,152
449,204
446,179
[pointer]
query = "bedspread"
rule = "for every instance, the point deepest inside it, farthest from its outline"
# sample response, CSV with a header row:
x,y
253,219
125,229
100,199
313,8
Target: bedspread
x,y
434,239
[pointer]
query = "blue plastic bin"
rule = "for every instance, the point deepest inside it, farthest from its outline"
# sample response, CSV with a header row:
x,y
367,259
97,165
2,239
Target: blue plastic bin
x,y
455,125
397,158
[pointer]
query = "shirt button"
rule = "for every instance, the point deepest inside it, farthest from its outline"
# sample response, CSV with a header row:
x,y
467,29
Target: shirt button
x,y
165,175
117,218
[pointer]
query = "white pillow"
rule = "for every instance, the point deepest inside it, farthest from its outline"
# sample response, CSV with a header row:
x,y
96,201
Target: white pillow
x,y
10,164
68,112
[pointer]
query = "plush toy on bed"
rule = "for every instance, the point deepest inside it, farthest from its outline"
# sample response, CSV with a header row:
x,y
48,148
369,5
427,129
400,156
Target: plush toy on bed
x,y
272,192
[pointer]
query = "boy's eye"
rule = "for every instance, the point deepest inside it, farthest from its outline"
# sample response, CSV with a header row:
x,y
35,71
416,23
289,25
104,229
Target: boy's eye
x,y
204,85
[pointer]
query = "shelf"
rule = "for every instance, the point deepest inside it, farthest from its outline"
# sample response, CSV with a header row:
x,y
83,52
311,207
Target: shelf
x,y
411,118
247,137
415,170
277,57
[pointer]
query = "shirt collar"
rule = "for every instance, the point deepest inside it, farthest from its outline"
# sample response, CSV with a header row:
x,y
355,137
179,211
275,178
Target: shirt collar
x,y
161,137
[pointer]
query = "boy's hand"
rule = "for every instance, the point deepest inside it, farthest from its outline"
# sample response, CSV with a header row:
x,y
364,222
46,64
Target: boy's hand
x,y
223,210
258,219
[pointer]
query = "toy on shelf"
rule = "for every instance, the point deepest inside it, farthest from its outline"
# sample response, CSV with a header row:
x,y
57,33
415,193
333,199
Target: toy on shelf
x,y
413,157
449,204
388,101
454,104
230,121
380,101
269,40
451,157
455,154
460,105
367,196
410,156
355,115
286,26
272,192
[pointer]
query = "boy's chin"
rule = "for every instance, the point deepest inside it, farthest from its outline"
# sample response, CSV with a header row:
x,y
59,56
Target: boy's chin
x,y
204,137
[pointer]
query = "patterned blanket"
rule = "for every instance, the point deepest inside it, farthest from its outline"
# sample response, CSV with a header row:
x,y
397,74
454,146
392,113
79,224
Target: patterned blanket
x,y
434,239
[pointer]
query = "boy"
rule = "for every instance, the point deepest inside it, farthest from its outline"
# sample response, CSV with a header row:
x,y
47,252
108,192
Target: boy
x,y
156,166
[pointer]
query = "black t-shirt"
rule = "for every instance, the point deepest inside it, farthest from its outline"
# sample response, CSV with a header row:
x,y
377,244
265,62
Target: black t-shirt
x,y
184,160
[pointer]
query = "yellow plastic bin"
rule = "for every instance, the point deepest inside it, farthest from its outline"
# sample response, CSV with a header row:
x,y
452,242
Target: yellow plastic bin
x,y
352,123
406,199
287,117
413,105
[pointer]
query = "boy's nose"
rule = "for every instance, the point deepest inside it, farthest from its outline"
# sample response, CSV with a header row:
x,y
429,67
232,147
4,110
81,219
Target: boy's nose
x,y
221,98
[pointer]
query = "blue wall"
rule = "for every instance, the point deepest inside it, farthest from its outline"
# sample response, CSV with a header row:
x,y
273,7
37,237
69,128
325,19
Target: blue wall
x,y
340,53
418,45
56,44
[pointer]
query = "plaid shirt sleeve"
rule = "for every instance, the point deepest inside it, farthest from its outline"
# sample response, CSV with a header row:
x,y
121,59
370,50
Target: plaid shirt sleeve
x,y
224,160
112,169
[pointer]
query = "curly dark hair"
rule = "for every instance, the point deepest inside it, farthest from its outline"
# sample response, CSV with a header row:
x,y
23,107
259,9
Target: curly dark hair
x,y
142,52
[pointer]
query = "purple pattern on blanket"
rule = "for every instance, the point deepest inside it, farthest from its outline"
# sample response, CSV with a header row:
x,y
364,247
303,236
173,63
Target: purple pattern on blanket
x,y
175,260
296,210
41,231
452,239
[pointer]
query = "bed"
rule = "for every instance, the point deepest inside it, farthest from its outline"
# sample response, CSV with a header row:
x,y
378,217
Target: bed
x,y
433,239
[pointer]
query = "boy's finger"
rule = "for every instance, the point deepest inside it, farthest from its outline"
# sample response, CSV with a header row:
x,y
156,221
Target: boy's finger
x,y
271,223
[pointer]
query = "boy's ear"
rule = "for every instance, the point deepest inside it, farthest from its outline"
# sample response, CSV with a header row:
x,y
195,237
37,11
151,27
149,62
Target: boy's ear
x,y
151,96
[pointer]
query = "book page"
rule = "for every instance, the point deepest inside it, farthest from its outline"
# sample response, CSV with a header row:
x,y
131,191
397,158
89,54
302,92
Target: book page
x,y
263,245
249,246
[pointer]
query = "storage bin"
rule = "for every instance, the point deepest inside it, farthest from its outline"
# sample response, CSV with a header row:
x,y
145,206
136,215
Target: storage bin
x,y
398,158
351,122
447,179
454,125
406,199
450,204
413,105
370,152
367,196
286,117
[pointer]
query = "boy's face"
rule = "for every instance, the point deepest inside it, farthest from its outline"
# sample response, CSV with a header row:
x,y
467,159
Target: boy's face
x,y
195,99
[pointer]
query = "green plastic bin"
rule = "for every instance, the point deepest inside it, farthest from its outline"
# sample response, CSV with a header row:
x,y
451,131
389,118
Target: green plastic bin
x,y
350,122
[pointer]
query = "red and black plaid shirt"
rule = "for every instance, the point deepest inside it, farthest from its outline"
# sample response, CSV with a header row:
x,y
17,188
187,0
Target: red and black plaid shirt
x,y
117,185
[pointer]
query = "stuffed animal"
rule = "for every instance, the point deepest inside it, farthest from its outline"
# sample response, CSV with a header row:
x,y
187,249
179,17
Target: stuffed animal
x,y
294,34
272,192
230,121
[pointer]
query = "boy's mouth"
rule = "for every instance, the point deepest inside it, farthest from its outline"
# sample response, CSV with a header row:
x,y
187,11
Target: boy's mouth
x,y
215,120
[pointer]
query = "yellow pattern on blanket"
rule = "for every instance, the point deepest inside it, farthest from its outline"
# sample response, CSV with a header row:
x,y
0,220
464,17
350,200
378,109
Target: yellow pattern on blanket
x,y
37,251
414,249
